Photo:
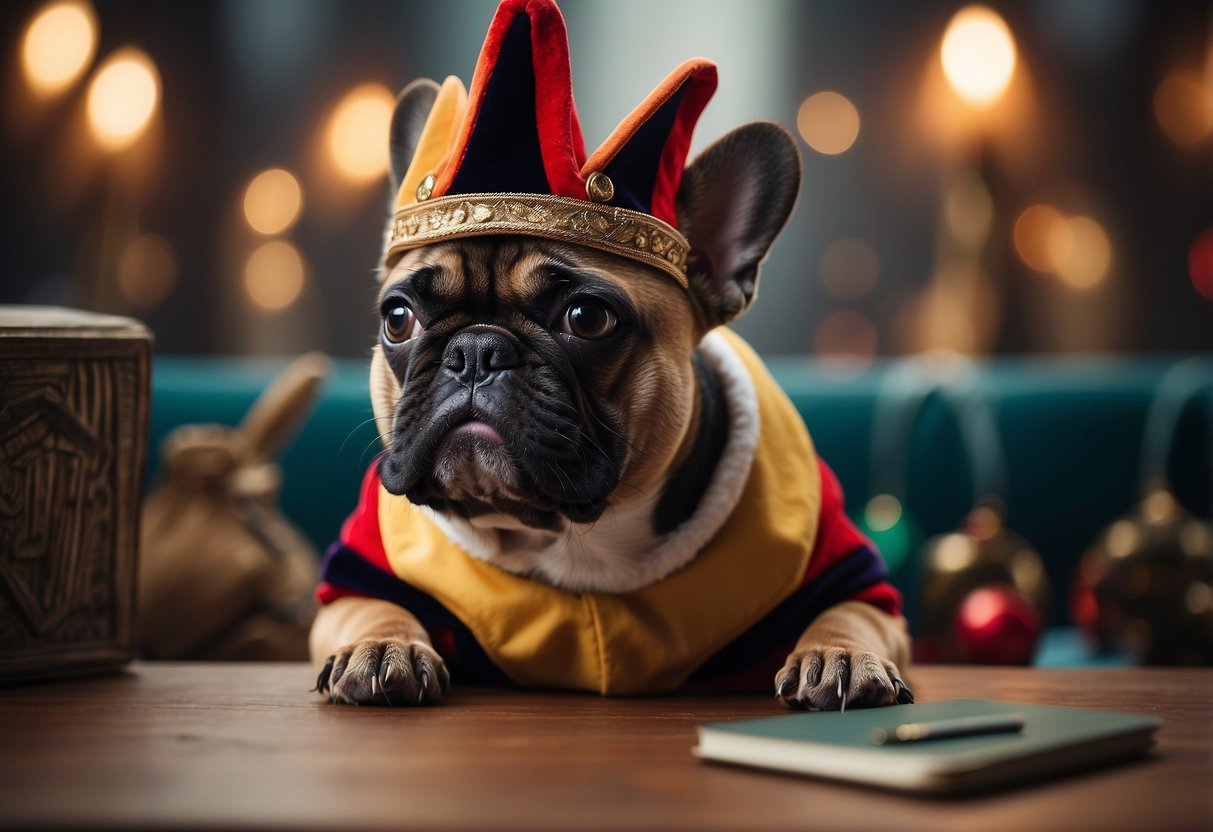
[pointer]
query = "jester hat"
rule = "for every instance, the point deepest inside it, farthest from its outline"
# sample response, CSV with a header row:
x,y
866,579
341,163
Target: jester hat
x,y
508,156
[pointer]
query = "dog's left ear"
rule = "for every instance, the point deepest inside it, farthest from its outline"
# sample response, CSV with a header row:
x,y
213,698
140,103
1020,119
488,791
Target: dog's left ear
x,y
733,201
413,106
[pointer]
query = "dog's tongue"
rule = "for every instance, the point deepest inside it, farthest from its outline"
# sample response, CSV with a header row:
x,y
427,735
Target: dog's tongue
x,y
481,429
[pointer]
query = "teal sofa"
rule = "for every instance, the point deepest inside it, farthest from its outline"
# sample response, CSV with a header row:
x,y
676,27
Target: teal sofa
x,y
1067,435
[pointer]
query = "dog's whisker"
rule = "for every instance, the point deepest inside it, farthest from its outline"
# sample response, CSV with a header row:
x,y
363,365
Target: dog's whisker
x,y
354,430
626,441
632,487
594,444
382,439
559,479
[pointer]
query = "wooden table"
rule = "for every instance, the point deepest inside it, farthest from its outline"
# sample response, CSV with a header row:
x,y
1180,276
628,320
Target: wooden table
x,y
246,746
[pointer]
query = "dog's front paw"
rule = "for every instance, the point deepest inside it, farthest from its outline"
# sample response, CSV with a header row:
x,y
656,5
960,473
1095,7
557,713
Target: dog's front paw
x,y
831,678
384,672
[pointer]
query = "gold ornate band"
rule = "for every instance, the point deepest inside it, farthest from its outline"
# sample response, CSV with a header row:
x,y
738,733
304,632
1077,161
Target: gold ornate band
x,y
632,234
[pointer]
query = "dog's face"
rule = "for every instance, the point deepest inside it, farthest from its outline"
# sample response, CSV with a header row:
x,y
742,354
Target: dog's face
x,y
530,384
531,379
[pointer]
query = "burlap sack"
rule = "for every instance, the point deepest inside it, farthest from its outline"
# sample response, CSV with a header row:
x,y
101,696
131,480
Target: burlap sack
x,y
222,574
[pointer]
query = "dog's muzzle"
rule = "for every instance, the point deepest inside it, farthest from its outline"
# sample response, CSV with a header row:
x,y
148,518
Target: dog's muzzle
x,y
495,432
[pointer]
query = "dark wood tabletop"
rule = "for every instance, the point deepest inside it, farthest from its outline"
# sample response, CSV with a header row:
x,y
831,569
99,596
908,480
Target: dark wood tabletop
x,y
247,746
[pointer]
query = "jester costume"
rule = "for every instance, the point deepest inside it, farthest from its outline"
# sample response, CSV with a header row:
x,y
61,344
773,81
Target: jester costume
x,y
769,546
785,553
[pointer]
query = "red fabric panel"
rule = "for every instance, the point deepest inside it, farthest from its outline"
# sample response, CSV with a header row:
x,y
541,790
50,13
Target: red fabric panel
x,y
700,75
360,532
883,596
560,137
326,593
559,130
837,537
700,86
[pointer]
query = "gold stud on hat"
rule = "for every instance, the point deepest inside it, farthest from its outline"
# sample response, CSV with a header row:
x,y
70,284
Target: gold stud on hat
x,y
599,187
426,188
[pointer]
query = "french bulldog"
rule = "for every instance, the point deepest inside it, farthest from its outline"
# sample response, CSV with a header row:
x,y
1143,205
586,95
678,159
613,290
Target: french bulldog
x,y
570,423
526,388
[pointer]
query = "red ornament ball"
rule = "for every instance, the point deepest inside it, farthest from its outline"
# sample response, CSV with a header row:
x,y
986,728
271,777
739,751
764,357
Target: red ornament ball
x,y
1200,263
996,624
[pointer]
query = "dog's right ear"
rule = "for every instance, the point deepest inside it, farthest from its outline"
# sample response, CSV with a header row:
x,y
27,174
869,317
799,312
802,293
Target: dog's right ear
x,y
413,106
733,201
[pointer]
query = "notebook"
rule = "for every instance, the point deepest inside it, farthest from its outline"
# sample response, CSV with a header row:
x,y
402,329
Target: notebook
x,y
843,746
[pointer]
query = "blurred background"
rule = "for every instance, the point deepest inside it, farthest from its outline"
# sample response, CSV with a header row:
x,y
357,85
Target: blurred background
x,y
1031,177
993,304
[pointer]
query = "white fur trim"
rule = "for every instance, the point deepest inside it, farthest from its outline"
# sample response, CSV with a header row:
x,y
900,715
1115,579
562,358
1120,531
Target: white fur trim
x,y
478,544
620,552
728,480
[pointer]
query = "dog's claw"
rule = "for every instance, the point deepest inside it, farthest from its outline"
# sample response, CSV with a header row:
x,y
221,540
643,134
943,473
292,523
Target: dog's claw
x,y
322,680
786,687
905,696
425,682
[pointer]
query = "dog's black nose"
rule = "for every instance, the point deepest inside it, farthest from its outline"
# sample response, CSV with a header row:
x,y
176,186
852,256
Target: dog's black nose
x,y
478,354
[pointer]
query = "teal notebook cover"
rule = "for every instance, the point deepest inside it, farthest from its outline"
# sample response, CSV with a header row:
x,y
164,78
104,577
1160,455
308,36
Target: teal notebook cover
x,y
840,746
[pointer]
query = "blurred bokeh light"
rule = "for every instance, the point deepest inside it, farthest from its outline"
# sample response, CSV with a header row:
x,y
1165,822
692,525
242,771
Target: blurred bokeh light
x,y
828,122
1183,106
1081,252
357,132
885,521
978,55
272,201
846,333
274,275
147,270
59,45
1039,231
122,98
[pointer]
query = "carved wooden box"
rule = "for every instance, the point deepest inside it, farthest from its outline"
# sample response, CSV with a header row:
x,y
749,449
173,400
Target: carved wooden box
x,y
74,390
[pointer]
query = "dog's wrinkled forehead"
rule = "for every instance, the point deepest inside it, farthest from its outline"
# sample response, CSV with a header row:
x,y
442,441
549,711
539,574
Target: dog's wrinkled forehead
x,y
463,272
515,271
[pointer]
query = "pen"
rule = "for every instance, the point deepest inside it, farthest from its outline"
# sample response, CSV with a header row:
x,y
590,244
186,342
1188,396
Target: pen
x,y
967,726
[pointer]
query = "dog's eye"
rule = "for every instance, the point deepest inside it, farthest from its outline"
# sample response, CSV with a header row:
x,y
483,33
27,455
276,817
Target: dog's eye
x,y
589,320
399,324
